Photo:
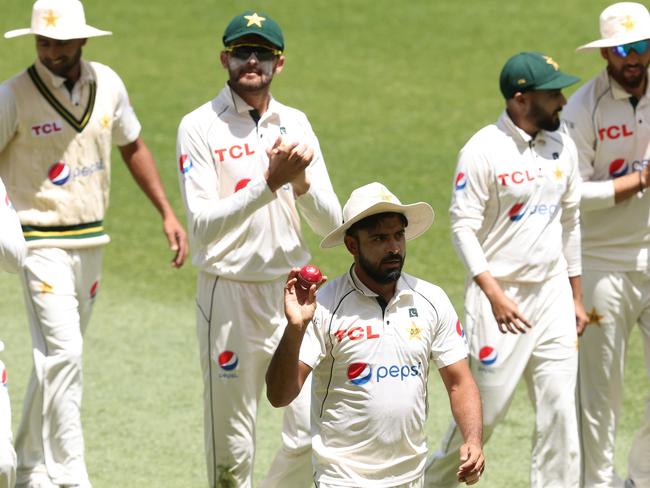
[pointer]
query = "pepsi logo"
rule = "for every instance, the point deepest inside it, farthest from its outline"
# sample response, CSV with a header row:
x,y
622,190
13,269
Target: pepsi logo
x,y
459,329
517,212
93,289
617,168
242,184
184,163
59,173
359,373
487,355
461,181
228,360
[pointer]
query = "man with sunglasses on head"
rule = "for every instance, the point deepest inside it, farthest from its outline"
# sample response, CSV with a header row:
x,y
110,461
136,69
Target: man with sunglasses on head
x,y
609,119
248,166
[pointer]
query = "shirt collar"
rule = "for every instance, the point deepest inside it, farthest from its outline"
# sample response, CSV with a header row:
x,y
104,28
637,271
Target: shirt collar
x,y
241,107
56,81
358,285
506,124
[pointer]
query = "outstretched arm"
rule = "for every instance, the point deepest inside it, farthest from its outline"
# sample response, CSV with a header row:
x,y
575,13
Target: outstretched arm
x,y
142,166
466,408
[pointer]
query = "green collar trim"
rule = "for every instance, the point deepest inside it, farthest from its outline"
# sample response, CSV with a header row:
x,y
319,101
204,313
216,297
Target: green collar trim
x,y
77,124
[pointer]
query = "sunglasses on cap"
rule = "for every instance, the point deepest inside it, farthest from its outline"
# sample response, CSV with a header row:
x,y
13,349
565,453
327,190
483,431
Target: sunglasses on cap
x,y
245,51
640,47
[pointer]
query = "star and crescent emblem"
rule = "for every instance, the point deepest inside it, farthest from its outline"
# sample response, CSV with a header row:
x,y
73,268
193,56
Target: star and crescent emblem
x,y
628,23
594,317
50,19
254,20
414,331
551,61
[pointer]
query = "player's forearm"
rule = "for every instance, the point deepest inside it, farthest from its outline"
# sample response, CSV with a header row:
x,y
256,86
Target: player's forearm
x,y
321,209
466,408
143,168
283,382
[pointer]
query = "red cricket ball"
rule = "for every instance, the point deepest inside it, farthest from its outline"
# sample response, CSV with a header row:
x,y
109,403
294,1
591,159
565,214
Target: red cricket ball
x,y
308,276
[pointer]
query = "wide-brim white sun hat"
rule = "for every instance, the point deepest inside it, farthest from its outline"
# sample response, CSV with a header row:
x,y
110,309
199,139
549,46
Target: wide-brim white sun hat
x,y
375,198
59,19
621,23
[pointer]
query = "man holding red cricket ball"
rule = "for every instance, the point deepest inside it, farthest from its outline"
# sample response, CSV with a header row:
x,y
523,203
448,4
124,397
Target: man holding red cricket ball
x,y
368,343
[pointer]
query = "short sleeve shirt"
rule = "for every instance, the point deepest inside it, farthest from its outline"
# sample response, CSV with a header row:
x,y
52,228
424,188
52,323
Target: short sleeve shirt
x,y
370,367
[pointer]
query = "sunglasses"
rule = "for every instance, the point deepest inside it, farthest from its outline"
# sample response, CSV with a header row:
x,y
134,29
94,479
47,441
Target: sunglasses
x,y
640,47
245,51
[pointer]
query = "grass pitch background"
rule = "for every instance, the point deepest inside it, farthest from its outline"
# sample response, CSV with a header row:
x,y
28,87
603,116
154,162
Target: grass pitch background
x,y
393,90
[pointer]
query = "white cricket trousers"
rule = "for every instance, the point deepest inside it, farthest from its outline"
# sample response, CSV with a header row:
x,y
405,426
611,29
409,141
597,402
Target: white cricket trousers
x,y
615,302
239,326
59,288
547,358
7,453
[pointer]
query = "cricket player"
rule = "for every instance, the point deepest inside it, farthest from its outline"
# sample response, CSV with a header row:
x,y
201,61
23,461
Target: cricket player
x,y
608,120
249,166
369,341
515,225
12,256
57,121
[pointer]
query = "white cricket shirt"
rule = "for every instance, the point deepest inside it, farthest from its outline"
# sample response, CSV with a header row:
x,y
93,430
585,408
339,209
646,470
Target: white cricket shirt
x,y
238,228
514,206
369,396
12,244
613,139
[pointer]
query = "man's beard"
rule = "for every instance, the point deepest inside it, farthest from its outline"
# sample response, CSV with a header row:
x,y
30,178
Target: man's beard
x,y
376,273
629,83
236,69
543,120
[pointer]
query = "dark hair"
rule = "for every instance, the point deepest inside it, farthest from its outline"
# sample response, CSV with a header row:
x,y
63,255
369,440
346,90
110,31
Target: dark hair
x,y
372,221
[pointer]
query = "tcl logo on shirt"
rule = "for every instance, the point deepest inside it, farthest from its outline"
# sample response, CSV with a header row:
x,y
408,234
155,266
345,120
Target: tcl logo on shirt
x,y
235,152
356,333
515,178
614,132
47,128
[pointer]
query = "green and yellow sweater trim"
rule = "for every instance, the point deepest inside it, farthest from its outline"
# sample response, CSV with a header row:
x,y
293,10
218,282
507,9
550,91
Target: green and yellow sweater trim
x,y
81,231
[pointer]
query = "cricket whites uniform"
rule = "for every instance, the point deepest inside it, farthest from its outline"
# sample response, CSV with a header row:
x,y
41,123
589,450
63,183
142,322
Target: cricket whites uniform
x,y
613,139
12,255
244,240
514,212
55,161
370,366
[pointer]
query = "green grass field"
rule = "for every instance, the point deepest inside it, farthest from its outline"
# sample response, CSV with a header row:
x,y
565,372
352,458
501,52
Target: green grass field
x,y
393,89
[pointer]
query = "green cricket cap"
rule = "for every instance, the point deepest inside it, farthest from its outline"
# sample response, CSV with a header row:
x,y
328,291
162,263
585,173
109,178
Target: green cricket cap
x,y
532,71
254,23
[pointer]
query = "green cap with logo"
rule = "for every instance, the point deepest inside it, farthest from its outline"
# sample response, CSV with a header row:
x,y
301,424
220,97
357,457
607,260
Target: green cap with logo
x,y
254,23
532,71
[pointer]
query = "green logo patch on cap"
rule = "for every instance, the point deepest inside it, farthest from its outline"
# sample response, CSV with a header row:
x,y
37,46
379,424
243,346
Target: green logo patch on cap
x,y
532,71
252,23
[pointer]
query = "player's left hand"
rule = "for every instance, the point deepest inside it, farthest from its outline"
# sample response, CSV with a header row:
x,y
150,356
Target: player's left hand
x,y
177,239
582,319
472,463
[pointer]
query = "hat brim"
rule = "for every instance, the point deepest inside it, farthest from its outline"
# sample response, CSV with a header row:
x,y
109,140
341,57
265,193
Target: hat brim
x,y
420,216
60,34
614,41
558,82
